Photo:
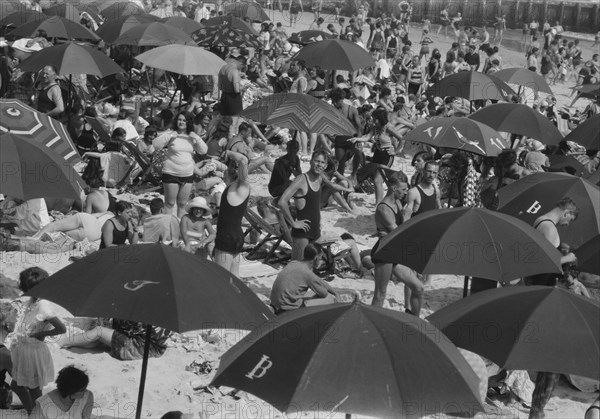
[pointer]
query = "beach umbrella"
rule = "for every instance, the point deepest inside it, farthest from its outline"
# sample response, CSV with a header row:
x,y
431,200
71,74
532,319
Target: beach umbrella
x,y
19,18
301,112
71,58
538,193
156,285
231,22
117,10
335,54
226,37
518,119
461,134
247,10
351,358
110,30
153,34
534,328
587,133
32,170
73,12
185,24
24,121
470,241
182,59
563,163
55,27
594,178
588,91
308,37
523,78
470,85
588,256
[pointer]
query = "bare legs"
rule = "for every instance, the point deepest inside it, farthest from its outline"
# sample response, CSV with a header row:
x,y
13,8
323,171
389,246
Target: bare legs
x,y
177,194
383,273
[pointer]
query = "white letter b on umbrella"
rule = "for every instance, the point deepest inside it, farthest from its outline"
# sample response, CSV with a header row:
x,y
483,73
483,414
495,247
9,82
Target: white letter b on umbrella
x,y
261,368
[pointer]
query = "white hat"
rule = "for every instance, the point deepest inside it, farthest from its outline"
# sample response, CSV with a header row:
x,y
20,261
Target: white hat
x,y
537,145
197,202
25,45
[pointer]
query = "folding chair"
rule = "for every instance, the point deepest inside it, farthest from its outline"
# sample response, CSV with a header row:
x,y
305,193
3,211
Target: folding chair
x,y
272,234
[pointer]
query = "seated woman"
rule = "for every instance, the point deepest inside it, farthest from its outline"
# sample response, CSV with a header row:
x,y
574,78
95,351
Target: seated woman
x,y
71,398
99,200
342,196
123,227
125,340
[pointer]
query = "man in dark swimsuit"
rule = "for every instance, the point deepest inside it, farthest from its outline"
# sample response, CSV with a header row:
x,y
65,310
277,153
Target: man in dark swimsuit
x,y
425,196
306,191
50,99
562,214
344,148
388,216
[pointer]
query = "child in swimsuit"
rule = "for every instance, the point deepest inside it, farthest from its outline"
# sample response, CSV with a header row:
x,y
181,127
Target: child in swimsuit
x,y
197,232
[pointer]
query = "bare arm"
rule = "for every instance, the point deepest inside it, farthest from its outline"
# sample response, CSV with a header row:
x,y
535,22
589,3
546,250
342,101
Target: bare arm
x,y
284,204
56,97
412,204
107,234
335,186
389,218
58,329
87,409
212,234
183,232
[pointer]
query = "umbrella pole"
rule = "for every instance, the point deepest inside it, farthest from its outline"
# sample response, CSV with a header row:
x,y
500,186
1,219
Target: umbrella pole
x,y
69,101
138,411
466,286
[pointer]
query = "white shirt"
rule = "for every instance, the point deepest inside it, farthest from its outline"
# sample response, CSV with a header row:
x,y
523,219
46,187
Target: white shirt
x,y
131,132
384,68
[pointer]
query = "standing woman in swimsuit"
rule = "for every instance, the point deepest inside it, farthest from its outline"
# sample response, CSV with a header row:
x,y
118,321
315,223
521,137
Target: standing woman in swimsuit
x,y
120,229
234,200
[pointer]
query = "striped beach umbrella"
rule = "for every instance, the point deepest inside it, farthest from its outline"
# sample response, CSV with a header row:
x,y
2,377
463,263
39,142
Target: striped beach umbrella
x,y
24,121
225,36
247,10
300,112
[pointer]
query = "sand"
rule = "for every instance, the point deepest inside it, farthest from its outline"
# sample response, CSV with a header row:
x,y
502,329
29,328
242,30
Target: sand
x,y
170,387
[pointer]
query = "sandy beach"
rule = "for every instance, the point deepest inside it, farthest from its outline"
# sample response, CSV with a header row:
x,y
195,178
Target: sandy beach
x,y
171,383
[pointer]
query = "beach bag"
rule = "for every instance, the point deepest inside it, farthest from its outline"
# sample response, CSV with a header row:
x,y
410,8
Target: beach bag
x,y
158,161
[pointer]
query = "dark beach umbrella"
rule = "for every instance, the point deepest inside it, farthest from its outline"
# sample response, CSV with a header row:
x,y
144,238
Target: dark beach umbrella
x,y
594,178
470,241
588,91
24,121
335,54
10,7
156,285
533,328
55,27
185,24
523,78
568,164
536,194
519,119
225,36
117,10
301,112
587,133
20,18
247,10
73,12
470,85
70,58
588,256
32,170
461,134
153,34
109,31
232,22
351,358
308,37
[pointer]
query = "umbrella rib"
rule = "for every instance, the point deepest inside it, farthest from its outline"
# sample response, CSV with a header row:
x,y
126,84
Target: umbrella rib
x,y
585,321
489,233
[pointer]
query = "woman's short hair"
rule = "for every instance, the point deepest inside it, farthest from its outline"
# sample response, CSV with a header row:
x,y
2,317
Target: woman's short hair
x,y
71,380
312,250
380,115
122,206
189,120
31,277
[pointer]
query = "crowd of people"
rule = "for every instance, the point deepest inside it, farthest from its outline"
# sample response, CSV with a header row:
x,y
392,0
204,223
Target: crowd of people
x,y
203,157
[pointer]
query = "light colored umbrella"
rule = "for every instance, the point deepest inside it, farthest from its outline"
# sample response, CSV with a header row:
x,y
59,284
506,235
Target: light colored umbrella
x,y
182,59
153,34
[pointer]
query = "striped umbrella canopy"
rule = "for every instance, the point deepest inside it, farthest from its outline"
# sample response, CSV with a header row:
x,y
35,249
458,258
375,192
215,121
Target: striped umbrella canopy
x,y
301,112
335,54
519,119
154,34
186,24
182,59
55,27
70,58
19,18
24,121
460,134
251,10
471,85
119,9
524,78
225,36
232,22
110,30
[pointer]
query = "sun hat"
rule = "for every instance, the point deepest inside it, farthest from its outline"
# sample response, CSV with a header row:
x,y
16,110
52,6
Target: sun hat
x,y
537,145
197,202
